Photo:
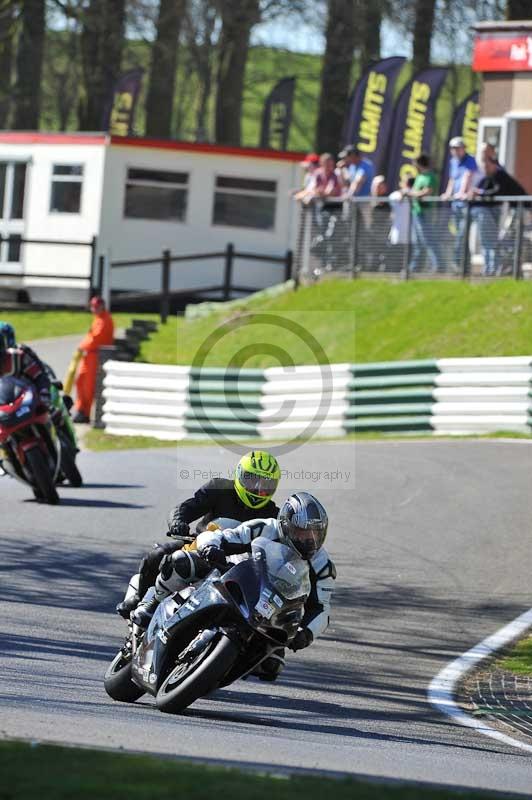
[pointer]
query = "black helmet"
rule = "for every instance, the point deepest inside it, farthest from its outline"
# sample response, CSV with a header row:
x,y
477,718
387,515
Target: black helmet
x,y
303,524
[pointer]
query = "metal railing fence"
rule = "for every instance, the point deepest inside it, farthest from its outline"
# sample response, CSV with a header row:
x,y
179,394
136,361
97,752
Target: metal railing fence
x,y
224,289
408,238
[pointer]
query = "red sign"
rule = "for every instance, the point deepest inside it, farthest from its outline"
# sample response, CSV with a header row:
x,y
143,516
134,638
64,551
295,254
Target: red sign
x,y
500,52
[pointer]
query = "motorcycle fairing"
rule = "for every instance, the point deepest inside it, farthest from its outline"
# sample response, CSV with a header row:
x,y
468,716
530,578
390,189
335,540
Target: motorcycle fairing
x,y
149,660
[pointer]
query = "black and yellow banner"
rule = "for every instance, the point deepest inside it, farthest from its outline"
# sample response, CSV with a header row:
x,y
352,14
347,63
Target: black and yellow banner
x,y
370,113
277,116
414,122
120,113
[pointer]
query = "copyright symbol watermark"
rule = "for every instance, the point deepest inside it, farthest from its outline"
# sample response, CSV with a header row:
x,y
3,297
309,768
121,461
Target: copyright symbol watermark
x,y
234,403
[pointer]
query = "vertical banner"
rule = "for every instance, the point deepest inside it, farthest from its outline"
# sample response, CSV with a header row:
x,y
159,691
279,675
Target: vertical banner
x,y
120,112
413,123
370,112
464,124
277,116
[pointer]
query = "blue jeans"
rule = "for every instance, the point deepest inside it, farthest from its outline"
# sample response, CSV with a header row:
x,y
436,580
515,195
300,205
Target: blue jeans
x,y
488,228
426,240
458,217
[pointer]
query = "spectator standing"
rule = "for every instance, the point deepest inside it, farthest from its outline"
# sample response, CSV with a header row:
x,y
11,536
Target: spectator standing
x,y
399,235
325,194
462,169
424,217
495,181
379,225
489,151
310,164
359,172
327,183
101,333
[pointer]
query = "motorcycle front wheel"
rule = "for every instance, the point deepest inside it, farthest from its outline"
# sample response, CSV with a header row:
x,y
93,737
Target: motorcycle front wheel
x,y
43,480
117,680
190,680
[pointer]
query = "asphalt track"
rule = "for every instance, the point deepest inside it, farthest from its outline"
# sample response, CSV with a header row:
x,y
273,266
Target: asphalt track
x,y
432,544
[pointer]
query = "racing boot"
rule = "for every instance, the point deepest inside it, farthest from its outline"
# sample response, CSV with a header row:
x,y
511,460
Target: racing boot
x,y
271,667
168,582
145,610
131,598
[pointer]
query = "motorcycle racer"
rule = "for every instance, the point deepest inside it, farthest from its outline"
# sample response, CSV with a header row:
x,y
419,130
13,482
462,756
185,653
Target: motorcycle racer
x,y
301,524
25,362
257,475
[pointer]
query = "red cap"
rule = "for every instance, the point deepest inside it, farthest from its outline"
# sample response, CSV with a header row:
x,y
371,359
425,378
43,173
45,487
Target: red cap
x,y
311,158
97,303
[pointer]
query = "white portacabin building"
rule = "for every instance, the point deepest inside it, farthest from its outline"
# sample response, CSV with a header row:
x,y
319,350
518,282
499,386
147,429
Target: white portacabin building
x,y
129,198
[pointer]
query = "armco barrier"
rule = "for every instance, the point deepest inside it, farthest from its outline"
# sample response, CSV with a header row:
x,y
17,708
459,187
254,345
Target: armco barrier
x,y
445,396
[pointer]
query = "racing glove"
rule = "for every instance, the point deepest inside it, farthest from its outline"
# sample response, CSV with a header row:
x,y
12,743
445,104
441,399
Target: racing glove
x,y
301,640
178,528
213,555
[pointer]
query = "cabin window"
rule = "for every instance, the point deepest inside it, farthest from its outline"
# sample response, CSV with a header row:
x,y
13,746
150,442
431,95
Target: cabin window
x,y
156,194
67,181
244,203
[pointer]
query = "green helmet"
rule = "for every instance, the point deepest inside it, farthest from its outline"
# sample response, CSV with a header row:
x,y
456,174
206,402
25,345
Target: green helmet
x,y
256,478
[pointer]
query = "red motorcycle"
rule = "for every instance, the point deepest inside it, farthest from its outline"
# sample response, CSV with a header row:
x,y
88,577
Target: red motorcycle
x,y
29,447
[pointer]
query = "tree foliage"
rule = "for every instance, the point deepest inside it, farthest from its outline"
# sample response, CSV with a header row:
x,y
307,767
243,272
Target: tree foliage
x,y
60,59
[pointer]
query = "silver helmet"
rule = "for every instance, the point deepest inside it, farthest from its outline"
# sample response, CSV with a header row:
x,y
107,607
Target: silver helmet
x,y
303,524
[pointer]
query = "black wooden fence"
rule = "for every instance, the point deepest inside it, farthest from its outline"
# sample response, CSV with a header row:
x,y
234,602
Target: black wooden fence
x,y
225,288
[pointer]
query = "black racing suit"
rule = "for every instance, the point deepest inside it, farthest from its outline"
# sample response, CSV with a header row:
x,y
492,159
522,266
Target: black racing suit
x,y
217,498
22,362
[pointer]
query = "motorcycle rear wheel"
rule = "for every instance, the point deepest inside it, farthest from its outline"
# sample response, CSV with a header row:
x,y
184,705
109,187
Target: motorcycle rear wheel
x,y
44,487
117,680
185,685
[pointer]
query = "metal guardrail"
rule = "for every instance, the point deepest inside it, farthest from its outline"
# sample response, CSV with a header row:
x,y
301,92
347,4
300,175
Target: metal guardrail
x,y
226,286
399,236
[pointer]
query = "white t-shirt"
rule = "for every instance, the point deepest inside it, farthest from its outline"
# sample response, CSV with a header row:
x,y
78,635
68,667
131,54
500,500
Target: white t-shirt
x,y
400,213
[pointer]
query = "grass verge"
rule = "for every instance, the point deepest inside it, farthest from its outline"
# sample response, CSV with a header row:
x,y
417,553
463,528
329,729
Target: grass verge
x,y
33,325
57,773
98,440
519,660
358,321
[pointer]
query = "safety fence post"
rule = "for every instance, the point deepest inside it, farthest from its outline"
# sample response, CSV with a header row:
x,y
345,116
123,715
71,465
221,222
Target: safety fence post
x,y
288,265
465,243
355,232
165,286
228,270
518,249
408,248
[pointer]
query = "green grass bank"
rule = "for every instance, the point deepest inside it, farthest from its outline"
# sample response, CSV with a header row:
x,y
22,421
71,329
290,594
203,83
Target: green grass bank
x,y
32,325
519,660
56,773
356,321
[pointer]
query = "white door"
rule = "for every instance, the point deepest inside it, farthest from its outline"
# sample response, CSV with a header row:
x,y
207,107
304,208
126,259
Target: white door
x,y
12,192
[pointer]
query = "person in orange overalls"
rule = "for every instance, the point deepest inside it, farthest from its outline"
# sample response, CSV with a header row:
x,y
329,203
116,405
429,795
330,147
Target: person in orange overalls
x,y
101,333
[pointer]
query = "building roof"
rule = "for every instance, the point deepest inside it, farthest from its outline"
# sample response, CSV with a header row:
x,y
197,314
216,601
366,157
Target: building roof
x,y
37,137
503,26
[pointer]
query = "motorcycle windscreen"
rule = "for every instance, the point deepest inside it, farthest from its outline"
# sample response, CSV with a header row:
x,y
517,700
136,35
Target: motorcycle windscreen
x,y
287,572
10,389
